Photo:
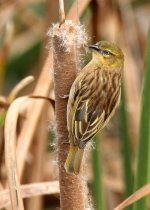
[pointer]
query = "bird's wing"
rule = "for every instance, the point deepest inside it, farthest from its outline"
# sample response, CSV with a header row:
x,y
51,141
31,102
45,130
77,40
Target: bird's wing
x,y
93,108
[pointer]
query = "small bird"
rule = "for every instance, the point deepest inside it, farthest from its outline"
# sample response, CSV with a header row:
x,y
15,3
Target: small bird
x,y
93,99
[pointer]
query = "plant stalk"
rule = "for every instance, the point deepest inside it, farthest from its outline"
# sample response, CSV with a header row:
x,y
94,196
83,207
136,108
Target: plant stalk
x,y
71,186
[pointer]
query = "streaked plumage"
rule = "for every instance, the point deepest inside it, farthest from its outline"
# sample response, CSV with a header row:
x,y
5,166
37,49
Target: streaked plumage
x,y
93,98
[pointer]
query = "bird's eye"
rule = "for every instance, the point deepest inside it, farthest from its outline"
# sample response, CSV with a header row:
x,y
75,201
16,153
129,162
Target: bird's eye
x,y
105,53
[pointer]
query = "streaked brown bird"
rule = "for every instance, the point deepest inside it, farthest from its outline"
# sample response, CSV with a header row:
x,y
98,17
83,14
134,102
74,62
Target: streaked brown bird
x,y
93,99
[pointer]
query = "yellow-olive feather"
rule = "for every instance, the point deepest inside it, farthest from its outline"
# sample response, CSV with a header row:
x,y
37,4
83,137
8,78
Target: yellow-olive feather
x,y
93,99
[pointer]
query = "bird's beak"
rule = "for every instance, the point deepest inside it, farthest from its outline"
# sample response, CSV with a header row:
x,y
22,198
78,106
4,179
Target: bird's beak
x,y
93,47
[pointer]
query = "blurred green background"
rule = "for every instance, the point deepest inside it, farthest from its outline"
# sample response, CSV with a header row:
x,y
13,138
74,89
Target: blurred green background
x,y
119,163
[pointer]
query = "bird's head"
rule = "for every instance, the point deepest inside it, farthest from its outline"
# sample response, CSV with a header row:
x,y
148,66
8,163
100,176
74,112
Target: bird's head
x,y
107,54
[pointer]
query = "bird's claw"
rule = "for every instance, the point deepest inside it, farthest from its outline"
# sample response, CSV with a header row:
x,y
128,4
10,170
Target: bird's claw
x,y
64,96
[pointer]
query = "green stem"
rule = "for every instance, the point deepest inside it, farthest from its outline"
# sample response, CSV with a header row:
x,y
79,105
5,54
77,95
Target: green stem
x,y
97,177
143,157
126,148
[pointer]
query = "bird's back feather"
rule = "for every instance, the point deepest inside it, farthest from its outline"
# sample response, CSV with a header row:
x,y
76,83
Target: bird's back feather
x,y
92,105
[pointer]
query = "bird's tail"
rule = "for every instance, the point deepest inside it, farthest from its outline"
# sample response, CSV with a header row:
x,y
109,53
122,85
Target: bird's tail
x,y
74,159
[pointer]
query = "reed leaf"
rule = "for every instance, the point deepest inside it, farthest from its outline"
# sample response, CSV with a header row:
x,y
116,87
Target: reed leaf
x,y
97,177
143,157
126,147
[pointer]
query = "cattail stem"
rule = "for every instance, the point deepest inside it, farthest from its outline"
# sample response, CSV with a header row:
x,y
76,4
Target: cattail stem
x,y
61,11
71,186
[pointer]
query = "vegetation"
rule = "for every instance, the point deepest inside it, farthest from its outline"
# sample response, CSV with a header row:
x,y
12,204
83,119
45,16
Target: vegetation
x,y
116,169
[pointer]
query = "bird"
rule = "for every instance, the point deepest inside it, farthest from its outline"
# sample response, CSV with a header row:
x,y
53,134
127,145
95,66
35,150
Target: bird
x,y
93,99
